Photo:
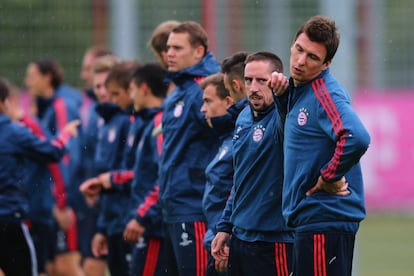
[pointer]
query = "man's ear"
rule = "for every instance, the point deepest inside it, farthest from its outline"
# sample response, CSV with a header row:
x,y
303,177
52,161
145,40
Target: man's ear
x,y
144,88
326,64
236,84
229,101
200,51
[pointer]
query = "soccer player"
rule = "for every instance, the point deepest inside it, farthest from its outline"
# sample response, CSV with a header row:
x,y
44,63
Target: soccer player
x,y
144,226
87,215
112,140
261,243
219,172
188,146
323,188
55,107
40,180
18,144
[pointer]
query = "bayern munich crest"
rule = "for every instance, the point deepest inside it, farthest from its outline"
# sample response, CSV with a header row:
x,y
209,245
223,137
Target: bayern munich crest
x,y
111,135
178,110
303,116
258,133
131,140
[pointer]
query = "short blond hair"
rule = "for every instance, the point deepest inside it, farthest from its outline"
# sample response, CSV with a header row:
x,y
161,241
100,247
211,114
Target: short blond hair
x,y
104,64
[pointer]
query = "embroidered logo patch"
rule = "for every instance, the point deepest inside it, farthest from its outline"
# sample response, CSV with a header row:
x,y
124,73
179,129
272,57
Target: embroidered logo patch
x,y
303,116
131,140
178,110
258,133
185,239
111,135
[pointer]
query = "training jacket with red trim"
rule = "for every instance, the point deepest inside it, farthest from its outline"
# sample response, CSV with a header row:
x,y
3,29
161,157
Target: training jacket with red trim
x,y
189,144
323,137
19,144
145,207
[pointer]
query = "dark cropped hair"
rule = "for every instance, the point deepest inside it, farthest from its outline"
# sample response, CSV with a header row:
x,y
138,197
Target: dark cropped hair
x,y
233,65
216,80
197,35
121,73
153,75
322,29
4,90
52,68
274,60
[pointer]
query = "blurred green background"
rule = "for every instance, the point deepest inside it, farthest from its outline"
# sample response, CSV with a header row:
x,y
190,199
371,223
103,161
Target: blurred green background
x,y
375,50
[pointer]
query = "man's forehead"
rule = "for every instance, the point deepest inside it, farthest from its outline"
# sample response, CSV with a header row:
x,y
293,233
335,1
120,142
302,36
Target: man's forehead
x,y
178,37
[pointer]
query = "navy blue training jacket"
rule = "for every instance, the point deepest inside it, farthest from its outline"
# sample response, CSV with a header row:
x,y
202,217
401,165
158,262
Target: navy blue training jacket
x,y
323,137
254,210
54,114
108,156
121,179
18,145
189,145
145,189
219,173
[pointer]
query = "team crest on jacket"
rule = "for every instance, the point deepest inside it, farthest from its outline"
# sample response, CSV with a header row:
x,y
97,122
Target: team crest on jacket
x,y
178,110
111,135
131,140
303,116
258,133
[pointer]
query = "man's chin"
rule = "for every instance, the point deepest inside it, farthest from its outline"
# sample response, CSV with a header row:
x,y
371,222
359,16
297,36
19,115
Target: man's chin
x,y
172,69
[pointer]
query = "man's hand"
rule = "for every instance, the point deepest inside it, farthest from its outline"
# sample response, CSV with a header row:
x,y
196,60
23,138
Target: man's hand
x,y
218,247
221,266
339,187
64,217
99,245
72,127
91,187
133,231
105,179
278,83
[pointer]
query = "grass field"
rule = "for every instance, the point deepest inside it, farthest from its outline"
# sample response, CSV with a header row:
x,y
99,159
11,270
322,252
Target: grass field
x,y
385,246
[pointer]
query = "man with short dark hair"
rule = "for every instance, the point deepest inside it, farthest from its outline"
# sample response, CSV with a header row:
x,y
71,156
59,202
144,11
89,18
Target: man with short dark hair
x,y
323,188
144,227
261,243
55,106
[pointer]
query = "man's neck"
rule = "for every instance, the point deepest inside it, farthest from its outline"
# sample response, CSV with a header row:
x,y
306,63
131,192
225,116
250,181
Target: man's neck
x,y
154,102
48,93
